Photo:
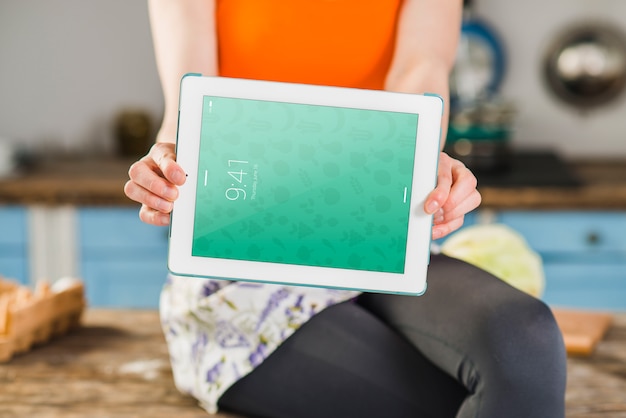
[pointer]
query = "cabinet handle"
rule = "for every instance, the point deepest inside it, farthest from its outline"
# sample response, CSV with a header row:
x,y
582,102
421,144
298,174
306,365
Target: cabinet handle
x,y
593,238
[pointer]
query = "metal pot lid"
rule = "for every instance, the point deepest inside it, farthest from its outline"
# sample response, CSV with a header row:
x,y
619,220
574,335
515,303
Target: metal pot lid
x,y
585,66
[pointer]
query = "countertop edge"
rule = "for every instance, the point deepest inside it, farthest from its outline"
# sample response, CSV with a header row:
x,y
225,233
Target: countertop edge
x,y
100,182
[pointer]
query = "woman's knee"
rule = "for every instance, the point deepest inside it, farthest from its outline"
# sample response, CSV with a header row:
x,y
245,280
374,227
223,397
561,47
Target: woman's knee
x,y
524,346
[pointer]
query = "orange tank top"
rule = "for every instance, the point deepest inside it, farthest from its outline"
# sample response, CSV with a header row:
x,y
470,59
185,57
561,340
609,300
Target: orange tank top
x,y
331,42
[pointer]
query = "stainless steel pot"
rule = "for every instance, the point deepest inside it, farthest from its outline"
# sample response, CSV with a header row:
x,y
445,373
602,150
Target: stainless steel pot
x,y
585,66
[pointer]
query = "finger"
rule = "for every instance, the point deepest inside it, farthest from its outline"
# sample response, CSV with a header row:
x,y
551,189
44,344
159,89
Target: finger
x,y
153,217
143,174
463,188
467,204
145,197
164,156
463,198
439,195
442,230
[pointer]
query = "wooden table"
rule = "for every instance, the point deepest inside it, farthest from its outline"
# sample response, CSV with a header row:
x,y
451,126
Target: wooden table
x,y
116,365
596,385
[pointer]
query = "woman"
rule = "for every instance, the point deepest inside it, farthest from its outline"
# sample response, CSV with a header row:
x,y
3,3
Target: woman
x,y
472,346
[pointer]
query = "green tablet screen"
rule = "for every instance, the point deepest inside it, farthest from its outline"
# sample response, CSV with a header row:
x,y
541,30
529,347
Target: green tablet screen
x,y
304,184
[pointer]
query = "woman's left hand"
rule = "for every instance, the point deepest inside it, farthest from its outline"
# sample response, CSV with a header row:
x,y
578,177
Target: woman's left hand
x,y
454,196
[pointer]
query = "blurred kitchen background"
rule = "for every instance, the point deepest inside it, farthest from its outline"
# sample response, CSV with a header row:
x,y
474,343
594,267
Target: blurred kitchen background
x,y
69,67
538,87
75,65
528,32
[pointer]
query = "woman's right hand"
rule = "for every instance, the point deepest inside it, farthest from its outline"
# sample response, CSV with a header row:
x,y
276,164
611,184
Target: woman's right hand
x,y
154,181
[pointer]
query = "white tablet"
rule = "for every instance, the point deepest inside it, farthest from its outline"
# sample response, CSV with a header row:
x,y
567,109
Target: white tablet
x,y
304,185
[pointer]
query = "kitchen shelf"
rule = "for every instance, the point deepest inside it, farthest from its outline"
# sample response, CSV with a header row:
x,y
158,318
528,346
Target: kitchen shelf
x,y
100,181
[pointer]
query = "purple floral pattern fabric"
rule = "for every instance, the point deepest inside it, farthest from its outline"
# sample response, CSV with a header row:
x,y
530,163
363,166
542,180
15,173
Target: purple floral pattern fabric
x,y
219,331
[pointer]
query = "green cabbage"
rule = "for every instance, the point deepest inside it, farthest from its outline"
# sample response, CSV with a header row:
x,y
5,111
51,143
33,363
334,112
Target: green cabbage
x,y
502,252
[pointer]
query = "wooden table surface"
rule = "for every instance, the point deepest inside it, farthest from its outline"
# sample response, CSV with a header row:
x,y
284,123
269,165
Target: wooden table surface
x,y
116,365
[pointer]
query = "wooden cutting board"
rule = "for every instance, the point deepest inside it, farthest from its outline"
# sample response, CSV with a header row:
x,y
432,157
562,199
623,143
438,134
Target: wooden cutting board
x,y
582,330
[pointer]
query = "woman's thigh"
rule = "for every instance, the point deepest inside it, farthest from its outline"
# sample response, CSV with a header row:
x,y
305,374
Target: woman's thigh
x,y
345,363
471,346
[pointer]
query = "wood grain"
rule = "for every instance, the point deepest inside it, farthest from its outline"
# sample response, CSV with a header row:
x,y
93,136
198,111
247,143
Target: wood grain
x,y
116,365
582,330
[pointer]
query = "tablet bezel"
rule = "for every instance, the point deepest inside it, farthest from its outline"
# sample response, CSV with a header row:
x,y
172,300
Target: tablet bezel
x,y
412,281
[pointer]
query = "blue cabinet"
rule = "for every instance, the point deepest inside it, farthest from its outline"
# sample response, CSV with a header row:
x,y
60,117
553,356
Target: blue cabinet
x,y
123,261
14,243
584,255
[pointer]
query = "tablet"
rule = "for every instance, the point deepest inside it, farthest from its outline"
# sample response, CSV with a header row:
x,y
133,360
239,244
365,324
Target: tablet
x,y
304,185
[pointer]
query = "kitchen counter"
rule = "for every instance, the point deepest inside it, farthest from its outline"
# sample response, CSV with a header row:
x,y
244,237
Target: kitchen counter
x,y
100,182
116,365
69,181
602,187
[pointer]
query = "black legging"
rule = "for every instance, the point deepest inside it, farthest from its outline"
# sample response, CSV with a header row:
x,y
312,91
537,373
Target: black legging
x,y
471,346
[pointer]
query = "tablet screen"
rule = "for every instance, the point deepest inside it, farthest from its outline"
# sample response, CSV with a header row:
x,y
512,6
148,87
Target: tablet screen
x,y
304,184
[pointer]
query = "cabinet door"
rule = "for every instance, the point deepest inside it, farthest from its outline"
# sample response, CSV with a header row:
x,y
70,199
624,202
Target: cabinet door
x,y
13,243
588,233
588,285
123,261
584,255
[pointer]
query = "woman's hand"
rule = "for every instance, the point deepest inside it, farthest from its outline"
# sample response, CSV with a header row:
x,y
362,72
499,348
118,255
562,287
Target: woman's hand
x,y
153,183
454,196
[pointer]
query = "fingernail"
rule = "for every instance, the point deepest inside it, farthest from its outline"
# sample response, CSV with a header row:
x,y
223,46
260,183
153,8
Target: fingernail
x,y
432,206
437,233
